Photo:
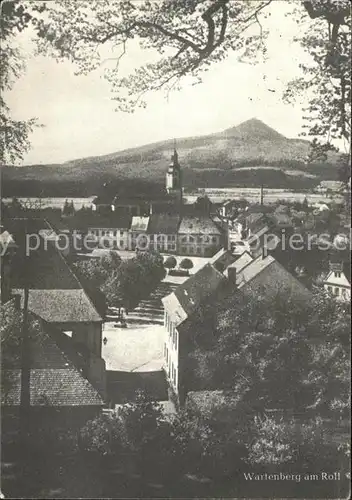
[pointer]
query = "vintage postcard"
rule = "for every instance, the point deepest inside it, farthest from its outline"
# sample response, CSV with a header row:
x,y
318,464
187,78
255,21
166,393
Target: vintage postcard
x,y
175,249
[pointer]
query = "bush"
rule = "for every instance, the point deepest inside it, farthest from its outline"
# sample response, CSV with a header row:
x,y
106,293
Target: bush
x,y
186,264
170,262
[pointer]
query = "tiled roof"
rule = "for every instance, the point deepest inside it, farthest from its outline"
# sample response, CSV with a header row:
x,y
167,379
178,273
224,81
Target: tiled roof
x,y
163,224
198,225
54,379
250,271
223,257
191,294
241,262
56,295
61,306
110,221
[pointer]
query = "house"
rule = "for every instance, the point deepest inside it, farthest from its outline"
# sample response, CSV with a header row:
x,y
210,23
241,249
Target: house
x,y
199,236
338,280
61,396
179,308
247,275
265,275
57,296
139,237
111,231
162,232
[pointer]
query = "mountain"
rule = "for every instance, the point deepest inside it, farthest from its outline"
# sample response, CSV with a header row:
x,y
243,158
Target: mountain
x,y
248,154
253,128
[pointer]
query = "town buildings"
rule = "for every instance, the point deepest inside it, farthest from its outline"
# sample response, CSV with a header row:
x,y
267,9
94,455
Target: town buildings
x,y
160,222
61,397
44,281
247,275
338,279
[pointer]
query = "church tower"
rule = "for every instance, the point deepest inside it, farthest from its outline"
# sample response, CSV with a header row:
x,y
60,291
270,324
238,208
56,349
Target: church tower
x,y
174,177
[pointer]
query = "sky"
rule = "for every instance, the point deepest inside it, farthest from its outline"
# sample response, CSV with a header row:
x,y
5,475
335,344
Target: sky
x,y
78,117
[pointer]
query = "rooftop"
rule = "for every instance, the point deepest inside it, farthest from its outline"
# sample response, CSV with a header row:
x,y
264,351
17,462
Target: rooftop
x,y
163,224
241,262
252,269
55,293
54,379
188,296
198,225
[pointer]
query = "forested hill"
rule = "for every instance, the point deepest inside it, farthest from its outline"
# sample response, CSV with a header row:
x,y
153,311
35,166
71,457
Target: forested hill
x,y
245,155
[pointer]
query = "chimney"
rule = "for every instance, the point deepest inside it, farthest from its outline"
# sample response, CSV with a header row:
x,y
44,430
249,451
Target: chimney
x,y
232,275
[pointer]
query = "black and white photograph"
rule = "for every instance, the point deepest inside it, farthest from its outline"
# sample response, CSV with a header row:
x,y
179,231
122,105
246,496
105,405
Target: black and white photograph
x,y
175,244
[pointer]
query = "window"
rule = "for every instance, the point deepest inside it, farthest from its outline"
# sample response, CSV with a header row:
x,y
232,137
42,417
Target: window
x,y
183,250
337,274
199,250
199,239
191,250
337,291
184,239
215,239
330,289
191,239
343,292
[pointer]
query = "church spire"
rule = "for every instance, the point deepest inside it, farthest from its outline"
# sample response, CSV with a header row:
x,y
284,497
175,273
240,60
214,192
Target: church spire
x,y
174,157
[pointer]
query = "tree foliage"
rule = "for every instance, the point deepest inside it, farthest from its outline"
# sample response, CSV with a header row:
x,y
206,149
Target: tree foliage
x,y
186,264
185,38
170,262
273,353
326,77
189,36
134,280
14,134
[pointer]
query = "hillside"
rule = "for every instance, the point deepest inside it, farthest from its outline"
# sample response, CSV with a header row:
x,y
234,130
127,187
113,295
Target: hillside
x,y
247,154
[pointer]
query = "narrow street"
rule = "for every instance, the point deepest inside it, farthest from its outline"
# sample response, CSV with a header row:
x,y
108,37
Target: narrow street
x,y
134,355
